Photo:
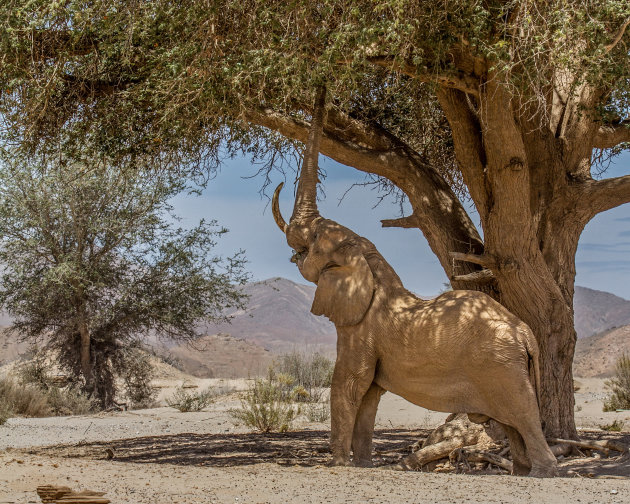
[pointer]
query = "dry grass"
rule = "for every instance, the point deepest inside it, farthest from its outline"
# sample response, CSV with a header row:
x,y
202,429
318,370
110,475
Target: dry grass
x,y
22,400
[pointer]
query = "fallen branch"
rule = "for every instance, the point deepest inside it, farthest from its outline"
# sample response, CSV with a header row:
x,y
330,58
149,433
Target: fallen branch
x,y
605,445
467,455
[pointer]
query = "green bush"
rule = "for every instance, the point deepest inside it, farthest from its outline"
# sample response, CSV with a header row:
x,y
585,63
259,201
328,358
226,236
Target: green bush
x,y
616,426
266,407
309,374
619,386
186,401
137,373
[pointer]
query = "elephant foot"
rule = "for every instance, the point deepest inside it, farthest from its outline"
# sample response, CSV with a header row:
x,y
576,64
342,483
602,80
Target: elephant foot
x,y
362,463
544,472
519,469
339,462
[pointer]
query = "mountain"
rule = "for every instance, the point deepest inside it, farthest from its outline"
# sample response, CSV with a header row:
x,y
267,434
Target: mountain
x,y
220,356
279,318
597,311
595,355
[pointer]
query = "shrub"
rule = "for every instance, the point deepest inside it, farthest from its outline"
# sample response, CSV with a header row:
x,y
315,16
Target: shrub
x,y
310,374
318,412
186,401
616,426
23,400
619,386
266,407
136,374
70,401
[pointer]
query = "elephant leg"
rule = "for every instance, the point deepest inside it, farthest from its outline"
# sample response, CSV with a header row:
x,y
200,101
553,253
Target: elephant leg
x,y
521,464
349,385
364,427
543,461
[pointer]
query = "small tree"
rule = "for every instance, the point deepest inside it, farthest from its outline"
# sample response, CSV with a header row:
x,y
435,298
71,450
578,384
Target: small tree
x,y
92,260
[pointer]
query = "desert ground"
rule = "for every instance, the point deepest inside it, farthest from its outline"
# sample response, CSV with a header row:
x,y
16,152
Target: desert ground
x,y
161,455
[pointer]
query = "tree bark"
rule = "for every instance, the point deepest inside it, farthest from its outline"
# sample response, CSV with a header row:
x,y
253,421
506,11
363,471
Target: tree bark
x,y
85,354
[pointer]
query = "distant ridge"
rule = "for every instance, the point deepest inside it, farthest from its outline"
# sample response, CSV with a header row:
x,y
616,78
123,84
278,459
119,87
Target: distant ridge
x,y
279,318
597,311
596,355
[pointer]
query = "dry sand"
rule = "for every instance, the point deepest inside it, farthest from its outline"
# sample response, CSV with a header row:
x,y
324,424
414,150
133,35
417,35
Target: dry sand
x,y
164,456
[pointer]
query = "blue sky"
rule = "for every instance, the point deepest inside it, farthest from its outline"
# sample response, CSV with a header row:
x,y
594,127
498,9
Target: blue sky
x,y
603,257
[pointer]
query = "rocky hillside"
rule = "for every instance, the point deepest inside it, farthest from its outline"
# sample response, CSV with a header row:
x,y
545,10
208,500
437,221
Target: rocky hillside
x,y
279,318
595,356
220,356
597,311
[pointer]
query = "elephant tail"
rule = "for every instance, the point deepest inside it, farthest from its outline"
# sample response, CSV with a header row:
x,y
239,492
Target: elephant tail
x,y
533,363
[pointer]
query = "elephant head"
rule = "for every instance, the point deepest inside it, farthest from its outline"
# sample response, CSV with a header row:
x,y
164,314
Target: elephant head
x,y
326,253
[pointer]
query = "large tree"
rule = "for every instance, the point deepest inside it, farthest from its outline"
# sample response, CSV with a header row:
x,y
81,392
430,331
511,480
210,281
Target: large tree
x,y
508,103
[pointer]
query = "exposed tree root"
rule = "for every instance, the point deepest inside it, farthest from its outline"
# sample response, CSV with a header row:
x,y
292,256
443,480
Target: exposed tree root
x,y
604,446
462,442
467,455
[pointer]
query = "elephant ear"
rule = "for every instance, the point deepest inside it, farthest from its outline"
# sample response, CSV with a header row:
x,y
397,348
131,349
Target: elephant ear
x,y
344,292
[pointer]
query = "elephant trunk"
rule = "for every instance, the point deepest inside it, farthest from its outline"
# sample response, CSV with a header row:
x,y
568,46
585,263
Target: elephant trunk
x,y
275,208
305,207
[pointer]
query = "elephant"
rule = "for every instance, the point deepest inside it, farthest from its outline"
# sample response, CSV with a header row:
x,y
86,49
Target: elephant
x,y
459,352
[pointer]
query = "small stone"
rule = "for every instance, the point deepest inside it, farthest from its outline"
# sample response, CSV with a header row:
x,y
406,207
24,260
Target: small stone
x,y
614,492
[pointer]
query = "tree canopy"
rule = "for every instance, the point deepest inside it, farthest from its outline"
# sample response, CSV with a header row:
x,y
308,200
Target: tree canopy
x,y
508,103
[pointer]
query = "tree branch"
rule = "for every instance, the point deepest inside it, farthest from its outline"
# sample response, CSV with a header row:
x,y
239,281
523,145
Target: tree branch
x,y
609,136
410,221
619,35
439,213
484,260
461,81
478,277
600,195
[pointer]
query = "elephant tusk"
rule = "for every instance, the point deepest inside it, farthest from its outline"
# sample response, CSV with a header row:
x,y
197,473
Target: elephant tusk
x,y
275,208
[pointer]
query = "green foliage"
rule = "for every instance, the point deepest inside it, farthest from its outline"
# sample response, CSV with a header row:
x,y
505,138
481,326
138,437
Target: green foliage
x,y
137,373
266,407
306,375
90,248
185,400
619,386
154,78
616,426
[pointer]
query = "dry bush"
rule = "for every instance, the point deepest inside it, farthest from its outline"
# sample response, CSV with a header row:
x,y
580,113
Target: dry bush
x,y
186,401
309,375
318,412
266,407
22,400
619,386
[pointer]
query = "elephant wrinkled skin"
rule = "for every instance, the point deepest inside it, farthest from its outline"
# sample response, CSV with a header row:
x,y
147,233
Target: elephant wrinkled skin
x,y
459,352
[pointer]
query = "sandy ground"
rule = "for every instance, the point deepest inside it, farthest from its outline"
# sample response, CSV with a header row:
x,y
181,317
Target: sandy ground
x,y
161,456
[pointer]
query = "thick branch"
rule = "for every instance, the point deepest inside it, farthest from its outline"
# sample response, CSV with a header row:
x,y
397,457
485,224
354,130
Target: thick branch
x,y
485,260
599,196
611,135
461,81
439,213
483,276
408,222
619,35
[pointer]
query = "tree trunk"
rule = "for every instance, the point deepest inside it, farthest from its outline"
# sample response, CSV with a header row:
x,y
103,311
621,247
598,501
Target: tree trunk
x,y
85,355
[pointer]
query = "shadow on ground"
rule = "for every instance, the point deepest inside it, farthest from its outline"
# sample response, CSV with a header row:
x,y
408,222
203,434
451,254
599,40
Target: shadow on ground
x,y
304,448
